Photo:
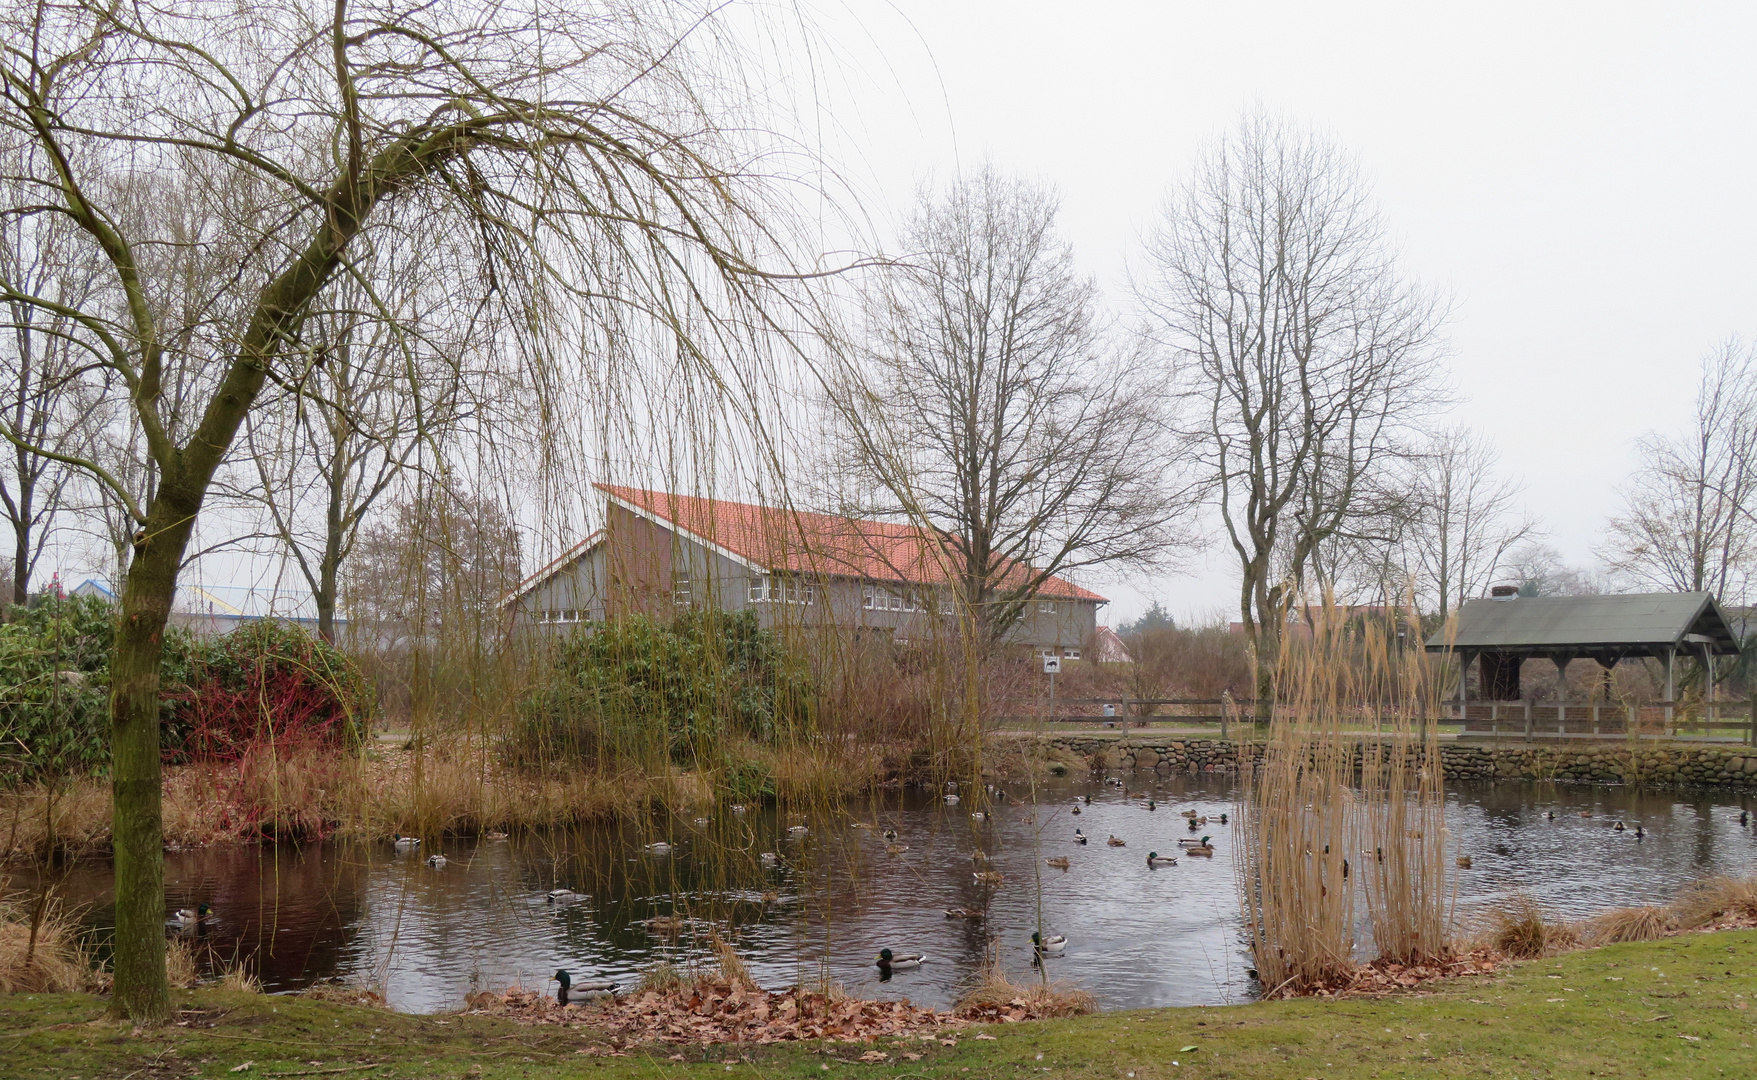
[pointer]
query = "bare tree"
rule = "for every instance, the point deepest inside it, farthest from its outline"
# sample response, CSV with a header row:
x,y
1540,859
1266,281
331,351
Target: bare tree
x,y
1306,358
1686,523
1539,570
581,161
41,399
1463,520
989,404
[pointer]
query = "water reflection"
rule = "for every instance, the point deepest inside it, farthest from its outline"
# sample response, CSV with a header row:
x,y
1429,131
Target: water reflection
x,y
831,897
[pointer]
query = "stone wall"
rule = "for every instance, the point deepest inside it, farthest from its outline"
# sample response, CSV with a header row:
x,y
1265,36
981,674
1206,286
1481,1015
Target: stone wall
x,y
1670,764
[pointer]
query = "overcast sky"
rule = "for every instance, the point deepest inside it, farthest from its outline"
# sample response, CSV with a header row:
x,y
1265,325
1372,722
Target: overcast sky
x,y
1577,175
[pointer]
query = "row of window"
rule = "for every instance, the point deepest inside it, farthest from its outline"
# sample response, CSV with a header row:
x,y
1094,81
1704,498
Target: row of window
x,y
563,615
767,589
1066,654
878,598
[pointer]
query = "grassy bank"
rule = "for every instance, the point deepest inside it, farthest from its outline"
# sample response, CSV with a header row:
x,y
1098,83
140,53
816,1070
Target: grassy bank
x,y
1680,1007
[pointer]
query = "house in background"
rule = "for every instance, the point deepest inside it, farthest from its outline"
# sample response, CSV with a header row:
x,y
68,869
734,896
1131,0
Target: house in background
x,y
659,551
216,610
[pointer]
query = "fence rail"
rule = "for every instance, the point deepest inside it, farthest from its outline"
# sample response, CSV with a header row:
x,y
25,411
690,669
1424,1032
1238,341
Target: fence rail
x,y
1526,720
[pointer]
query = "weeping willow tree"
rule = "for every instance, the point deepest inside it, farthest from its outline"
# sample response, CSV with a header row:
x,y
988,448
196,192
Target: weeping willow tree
x,y
579,176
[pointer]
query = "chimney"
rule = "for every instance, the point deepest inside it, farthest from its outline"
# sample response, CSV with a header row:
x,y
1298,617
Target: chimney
x,y
1504,592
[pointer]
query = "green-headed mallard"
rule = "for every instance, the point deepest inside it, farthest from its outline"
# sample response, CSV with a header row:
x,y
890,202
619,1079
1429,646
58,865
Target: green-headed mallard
x,y
404,843
1202,848
1048,946
572,993
1059,862
1156,859
889,961
658,847
565,896
189,919
1079,837
1151,805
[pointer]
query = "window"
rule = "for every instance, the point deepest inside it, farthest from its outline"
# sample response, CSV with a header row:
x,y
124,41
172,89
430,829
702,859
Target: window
x,y
781,590
1070,654
1046,608
759,588
680,594
868,596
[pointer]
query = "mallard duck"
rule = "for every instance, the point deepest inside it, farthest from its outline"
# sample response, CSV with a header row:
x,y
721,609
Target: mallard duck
x,y
1151,805
977,815
1638,833
1076,809
888,961
1114,781
769,858
1464,862
771,897
736,808
1117,841
436,860
1187,813
189,918
1193,825
1744,817
1222,819
952,800
701,822
564,996
964,913
1586,813
1088,800
988,877
658,847
1201,848
1048,946
889,833
1060,862
1618,827
664,925
1550,815
1156,859
494,835
405,842
1079,837
896,849
565,896
863,824
979,856
797,831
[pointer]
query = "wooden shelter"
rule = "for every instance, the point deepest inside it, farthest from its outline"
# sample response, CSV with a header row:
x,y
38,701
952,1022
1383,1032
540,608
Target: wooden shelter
x,y
1502,633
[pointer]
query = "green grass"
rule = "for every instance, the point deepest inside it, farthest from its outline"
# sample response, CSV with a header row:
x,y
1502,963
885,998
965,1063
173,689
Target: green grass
x,y
1682,1007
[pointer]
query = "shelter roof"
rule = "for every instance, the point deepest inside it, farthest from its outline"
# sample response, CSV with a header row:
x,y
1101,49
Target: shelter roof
x,y
1623,624
780,539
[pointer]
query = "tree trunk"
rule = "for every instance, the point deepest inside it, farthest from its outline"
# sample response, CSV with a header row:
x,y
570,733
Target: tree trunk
x,y
21,571
141,991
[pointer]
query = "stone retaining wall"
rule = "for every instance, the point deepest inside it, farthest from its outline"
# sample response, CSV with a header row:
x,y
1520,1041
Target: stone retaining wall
x,y
1671,764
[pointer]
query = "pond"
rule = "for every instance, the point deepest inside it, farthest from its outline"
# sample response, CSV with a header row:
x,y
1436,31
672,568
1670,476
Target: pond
x,y
833,897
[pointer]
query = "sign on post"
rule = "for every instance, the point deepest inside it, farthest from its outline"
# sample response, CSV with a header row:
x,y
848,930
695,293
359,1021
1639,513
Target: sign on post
x,y
1052,665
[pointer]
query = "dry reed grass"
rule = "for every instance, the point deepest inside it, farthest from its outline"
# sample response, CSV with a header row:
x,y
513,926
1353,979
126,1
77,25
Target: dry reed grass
x,y
51,962
1715,899
180,967
1520,930
998,994
1629,924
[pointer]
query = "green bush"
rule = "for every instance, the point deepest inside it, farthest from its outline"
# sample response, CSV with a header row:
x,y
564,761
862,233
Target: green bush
x,y
638,688
54,689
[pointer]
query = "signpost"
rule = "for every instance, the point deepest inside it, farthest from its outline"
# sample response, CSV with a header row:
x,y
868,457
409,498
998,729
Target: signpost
x,y
1051,665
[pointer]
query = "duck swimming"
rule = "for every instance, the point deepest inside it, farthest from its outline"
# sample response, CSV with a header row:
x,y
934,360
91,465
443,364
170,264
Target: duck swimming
x,y
1156,859
888,961
952,800
963,913
569,987
797,831
1618,827
896,849
1052,945
1151,805
1076,809
496,835
565,896
1060,862
191,918
1464,862
1117,841
436,860
889,833
659,847
1079,837
404,843
769,858
1203,848
988,877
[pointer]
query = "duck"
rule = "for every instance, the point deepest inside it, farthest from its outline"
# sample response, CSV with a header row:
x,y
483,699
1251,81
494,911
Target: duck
x,y
404,843
1464,862
1088,800
1550,815
889,833
701,822
1638,833
436,860
1117,841
863,825
964,913
896,849
495,835
771,897
1052,945
564,896
952,800
1193,825
187,917
736,808
564,996
1060,862
658,847
1586,813
1187,813
1203,848
1076,809
797,831
1744,817
979,856
1156,859
1114,781
1079,837
1223,819
769,858
888,961
977,815
1618,827
988,877
664,925
1151,805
